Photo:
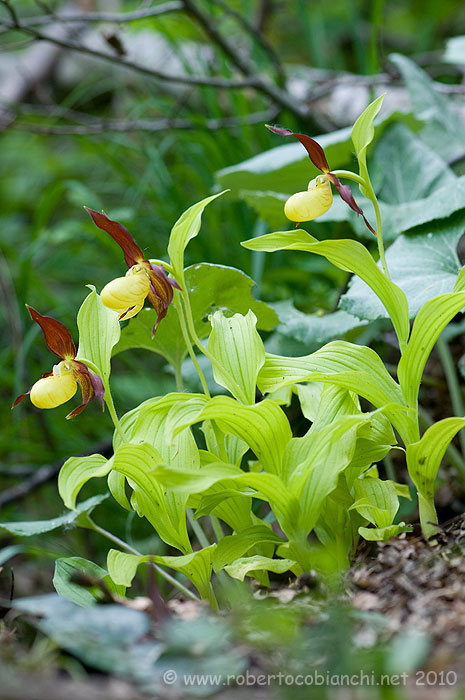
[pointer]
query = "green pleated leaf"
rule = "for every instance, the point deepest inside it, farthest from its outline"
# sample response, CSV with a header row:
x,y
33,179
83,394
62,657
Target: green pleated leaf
x,y
197,566
117,486
186,228
383,534
319,458
431,320
139,463
196,481
347,255
76,472
247,565
377,501
232,547
99,331
374,442
37,527
157,424
354,367
424,457
264,427
239,351
363,133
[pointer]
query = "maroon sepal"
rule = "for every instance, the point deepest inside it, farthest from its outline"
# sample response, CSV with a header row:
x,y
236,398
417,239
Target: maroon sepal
x,y
346,194
314,150
20,398
132,253
57,336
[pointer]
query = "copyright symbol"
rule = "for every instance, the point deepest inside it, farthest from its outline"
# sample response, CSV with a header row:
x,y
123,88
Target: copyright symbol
x,y
170,677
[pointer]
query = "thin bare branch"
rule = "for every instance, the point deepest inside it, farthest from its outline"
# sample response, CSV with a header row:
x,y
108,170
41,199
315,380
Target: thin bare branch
x,y
99,126
41,476
117,17
278,96
259,38
70,45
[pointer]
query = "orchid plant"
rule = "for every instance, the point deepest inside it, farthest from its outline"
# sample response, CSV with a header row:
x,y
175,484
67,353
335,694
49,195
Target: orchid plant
x,y
268,501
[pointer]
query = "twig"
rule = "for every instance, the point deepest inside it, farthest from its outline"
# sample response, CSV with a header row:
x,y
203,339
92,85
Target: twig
x,y
279,97
70,45
175,6
99,126
41,476
259,38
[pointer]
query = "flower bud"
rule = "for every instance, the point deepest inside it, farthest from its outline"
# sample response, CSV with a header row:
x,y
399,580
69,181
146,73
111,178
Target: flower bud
x,y
52,391
123,293
305,206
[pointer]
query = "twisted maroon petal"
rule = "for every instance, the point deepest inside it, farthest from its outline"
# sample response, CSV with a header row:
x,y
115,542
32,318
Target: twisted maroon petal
x,y
161,292
346,194
90,383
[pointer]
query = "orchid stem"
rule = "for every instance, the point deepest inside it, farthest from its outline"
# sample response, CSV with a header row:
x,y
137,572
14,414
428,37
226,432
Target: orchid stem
x,y
379,237
366,184
453,385
113,415
190,350
178,377
217,529
195,337
197,529
124,545
349,175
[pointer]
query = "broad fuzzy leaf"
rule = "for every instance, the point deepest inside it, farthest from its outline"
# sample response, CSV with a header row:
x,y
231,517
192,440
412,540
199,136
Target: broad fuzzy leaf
x,y
314,329
443,129
67,568
37,527
423,266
